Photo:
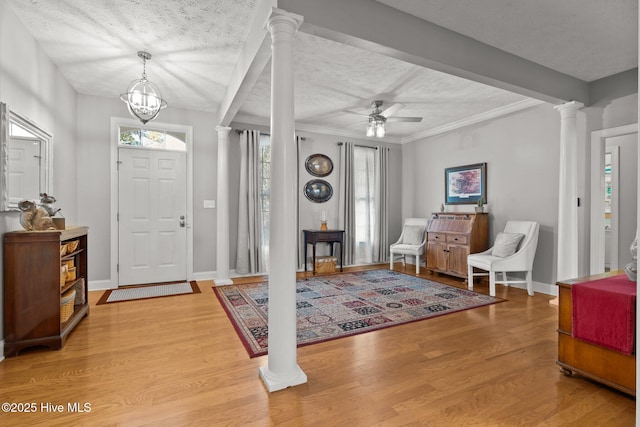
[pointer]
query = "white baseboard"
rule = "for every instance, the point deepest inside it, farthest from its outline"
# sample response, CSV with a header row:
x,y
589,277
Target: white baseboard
x,y
100,285
543,288
204,275
1,351
538,287
211,275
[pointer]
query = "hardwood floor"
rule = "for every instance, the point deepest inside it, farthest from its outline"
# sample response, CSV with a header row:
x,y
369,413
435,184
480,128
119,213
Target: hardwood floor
x,y
178,362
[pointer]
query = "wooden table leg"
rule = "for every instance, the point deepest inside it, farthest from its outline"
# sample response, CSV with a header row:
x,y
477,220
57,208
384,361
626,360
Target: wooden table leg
x,y
313,259
305,256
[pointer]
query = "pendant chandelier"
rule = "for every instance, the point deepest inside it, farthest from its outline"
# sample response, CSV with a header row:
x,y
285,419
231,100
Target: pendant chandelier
x,y
143,98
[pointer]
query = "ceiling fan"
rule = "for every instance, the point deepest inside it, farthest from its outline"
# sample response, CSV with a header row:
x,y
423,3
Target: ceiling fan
x,y
378,117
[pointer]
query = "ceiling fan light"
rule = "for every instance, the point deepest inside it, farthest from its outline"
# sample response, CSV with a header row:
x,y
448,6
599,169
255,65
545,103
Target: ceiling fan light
x,y
371,128
380,129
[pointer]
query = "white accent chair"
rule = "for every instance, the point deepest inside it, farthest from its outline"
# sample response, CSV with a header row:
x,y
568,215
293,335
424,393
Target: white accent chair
x,y
520,261
412,241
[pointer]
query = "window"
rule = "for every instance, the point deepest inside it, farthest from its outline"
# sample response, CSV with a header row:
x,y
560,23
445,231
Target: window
x,y
148,138
264,177
607,191
17,130
365,202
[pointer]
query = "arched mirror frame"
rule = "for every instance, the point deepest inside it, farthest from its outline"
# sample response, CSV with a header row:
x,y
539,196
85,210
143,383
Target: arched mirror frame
x,y
7,116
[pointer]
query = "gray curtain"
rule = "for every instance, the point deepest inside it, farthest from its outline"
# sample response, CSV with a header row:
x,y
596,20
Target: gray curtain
x,y
346,203
381,234
250,256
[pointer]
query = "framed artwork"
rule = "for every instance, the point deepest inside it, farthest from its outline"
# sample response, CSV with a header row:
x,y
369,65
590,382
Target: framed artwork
x,y
465,185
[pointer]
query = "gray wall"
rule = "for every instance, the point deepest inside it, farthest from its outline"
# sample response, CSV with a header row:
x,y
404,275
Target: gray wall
x,y
94,209
521,151
33,87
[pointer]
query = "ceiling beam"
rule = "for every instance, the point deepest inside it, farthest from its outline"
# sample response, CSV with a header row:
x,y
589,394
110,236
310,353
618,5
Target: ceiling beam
x,y
255,55
374,26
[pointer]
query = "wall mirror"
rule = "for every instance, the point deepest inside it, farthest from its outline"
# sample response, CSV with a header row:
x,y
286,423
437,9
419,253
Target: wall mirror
x,y
318,190
318,165
25,159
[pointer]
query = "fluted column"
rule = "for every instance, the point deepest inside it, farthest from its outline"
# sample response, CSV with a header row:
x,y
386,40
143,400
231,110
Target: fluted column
x,y
222,223
568,194
282,370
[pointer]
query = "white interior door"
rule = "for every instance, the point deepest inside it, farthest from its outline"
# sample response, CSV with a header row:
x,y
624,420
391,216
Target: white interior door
x,y
152,203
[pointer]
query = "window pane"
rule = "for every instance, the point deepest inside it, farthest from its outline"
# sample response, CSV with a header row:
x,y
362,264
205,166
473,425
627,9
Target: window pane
x,y
17,130
158,139
176,141
266,170
152,139
129,136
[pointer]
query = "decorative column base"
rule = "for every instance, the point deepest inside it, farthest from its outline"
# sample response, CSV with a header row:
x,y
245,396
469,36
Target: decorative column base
x,y
275,382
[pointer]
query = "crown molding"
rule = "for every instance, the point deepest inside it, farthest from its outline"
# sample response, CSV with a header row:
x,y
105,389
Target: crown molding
x,y
259,121
487,115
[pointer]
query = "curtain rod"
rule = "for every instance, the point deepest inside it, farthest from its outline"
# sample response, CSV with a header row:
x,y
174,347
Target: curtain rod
x,y
361,146
239,131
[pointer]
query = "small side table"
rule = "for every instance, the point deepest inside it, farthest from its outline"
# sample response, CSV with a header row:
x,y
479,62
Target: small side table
x,y
323,236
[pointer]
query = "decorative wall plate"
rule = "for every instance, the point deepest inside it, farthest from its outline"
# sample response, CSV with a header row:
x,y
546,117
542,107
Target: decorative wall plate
x,y
318,165
318,190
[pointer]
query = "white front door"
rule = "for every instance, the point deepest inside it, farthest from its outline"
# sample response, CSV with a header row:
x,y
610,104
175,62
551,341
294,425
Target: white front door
x,y
152,202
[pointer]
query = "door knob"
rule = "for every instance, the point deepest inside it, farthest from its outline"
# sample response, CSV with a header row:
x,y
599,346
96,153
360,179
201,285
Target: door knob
x,y
182,221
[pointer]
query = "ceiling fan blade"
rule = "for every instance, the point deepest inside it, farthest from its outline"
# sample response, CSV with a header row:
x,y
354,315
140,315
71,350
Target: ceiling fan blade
x,y
360,113
404,119
392,110
357,124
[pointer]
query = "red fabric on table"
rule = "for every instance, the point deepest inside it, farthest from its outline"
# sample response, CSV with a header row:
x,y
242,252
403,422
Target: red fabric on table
x,y
604,313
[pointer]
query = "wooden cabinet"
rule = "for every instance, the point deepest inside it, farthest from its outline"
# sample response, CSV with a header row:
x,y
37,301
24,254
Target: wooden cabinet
x,y
615,369
34,287
453,236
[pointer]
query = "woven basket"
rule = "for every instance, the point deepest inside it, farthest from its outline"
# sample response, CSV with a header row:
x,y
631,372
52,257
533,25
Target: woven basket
x,y
64,270
66,304
72,246
71,274
325,264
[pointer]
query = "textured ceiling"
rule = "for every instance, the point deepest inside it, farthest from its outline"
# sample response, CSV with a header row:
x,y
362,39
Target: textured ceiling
x,y
331,77
587,39
196,44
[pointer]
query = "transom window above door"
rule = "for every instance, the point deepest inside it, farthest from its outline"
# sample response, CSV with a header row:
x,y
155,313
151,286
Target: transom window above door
x,y
152,138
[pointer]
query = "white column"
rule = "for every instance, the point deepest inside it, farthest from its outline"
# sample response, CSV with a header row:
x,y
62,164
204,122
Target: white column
x,y
222,223
568,194
282,370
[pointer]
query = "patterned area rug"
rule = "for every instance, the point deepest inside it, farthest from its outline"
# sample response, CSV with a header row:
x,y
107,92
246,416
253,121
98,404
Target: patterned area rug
x,y
336,306
132,293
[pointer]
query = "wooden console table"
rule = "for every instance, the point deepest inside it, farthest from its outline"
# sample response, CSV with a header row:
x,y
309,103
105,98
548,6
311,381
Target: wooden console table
x,y
323,236
617,370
